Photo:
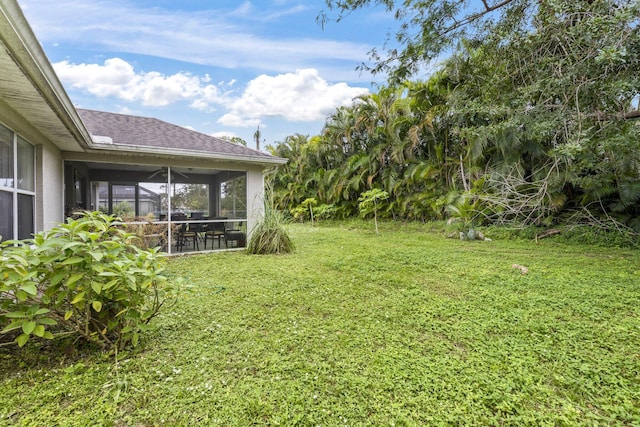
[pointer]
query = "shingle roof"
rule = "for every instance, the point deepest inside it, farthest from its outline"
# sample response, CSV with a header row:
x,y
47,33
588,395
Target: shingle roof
x,y
153,133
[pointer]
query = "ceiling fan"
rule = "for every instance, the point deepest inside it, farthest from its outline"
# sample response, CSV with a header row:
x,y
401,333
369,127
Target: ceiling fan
x,y
163,172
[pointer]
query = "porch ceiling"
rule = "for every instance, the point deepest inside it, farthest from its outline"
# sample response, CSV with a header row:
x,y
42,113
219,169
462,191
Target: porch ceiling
x,y
29,86
119,172
122,167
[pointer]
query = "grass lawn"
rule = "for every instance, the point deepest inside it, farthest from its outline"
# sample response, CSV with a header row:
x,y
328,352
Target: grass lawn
x,y
402,328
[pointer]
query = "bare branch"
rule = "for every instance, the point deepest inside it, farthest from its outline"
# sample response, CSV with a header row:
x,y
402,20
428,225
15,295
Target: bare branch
x,y
474,17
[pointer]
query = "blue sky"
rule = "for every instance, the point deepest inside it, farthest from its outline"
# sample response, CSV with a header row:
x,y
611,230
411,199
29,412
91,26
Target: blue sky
x,y
222,68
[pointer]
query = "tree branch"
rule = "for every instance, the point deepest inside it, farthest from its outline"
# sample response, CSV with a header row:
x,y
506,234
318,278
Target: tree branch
x,y
630,115
476,16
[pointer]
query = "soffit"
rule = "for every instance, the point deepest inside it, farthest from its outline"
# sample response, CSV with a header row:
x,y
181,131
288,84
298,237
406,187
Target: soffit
x,y
29,87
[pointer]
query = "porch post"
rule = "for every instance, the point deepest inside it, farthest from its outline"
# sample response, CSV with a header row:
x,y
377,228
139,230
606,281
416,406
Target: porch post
x,y
169,243
255,199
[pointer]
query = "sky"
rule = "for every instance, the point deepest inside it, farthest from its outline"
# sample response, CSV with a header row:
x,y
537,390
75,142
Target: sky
x,y
218,67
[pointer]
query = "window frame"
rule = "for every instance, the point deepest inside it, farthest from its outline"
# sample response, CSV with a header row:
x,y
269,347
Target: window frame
x,y
15,191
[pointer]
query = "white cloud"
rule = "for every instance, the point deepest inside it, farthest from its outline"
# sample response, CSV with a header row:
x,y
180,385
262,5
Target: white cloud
x,y
225,134
299,96
118,79
302,96
236,120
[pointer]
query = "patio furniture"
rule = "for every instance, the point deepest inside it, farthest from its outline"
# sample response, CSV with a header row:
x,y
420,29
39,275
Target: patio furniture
x,y
237,236
215,230
188,233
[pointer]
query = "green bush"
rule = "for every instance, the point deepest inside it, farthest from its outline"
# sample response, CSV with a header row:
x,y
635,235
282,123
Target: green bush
x,y
368,202
303,211
84,278
300,213
325,212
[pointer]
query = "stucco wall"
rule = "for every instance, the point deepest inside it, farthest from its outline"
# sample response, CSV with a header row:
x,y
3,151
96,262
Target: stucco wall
x,y
49,185
255,199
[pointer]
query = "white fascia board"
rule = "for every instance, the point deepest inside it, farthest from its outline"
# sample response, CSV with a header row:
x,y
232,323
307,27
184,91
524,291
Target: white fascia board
x,y
139,149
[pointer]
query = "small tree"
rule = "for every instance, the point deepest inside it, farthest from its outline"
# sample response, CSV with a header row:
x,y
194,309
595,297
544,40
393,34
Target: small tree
x,y
309,203
368,202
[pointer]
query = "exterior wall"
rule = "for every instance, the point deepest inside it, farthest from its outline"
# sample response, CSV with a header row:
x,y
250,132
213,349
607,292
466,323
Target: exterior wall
x,y
255,199
49,188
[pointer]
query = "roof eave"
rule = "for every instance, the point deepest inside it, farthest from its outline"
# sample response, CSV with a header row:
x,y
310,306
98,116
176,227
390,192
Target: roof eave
x,y
36,66
172,152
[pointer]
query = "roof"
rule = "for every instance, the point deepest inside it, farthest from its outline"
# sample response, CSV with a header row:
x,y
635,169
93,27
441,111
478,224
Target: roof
x,y
120,131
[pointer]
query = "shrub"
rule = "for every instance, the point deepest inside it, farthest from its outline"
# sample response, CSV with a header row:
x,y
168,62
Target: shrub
x,y
270,236
299,213
306,210
325,212
85,277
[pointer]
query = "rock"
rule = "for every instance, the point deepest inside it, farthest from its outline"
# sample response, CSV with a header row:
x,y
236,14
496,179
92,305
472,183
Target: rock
x,y
463,236
522,268
471,234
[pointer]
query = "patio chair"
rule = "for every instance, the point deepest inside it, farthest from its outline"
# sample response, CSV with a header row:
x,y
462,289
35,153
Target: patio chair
x,y
188,233
235,235
216,230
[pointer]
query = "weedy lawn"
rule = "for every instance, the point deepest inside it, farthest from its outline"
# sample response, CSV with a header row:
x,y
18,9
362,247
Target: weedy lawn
x,y
402,328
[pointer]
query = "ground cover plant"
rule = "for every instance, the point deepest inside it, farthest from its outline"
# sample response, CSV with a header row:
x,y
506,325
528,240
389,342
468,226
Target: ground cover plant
x,y
402,328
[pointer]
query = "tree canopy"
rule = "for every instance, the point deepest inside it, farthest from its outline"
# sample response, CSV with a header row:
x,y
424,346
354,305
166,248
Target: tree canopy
x,y
529,117
427,30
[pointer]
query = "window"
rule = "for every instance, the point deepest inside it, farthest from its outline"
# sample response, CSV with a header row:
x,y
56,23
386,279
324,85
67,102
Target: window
x,y
25,175
233,201
6,157
6,219
128,200
17,186
123,200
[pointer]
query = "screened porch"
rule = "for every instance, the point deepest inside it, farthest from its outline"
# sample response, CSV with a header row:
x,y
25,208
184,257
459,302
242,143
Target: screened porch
x,y
179,209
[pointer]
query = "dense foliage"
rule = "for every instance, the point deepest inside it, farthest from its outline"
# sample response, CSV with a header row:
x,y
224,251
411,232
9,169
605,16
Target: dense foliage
x,y
530,120
84,278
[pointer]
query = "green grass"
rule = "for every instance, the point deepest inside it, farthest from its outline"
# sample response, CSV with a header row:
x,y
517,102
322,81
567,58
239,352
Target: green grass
x,y
404,328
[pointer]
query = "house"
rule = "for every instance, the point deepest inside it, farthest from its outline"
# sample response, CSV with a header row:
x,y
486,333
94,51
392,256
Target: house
x,y
55,158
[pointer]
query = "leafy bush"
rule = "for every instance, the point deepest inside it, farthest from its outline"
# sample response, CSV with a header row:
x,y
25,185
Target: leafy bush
x,y
299,213
305,211
85,277
325,212
124,210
